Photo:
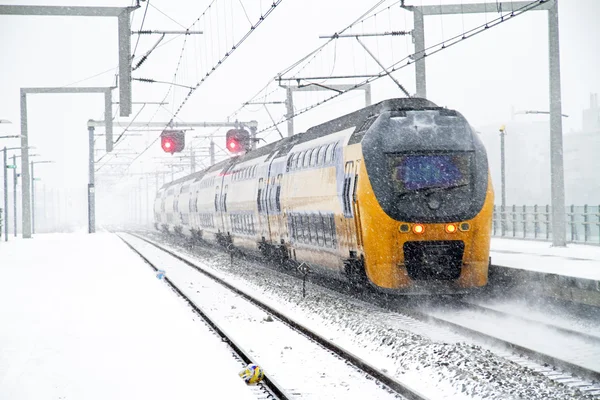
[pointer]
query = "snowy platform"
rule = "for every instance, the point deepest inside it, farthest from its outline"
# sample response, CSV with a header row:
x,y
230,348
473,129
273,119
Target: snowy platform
x,y
83,317
571,273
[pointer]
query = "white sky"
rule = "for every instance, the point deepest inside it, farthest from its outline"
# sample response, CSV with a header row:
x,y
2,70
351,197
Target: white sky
x,y
482,77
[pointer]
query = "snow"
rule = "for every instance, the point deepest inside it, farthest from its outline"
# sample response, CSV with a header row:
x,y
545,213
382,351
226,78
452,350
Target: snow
x,y
83,317
575,260
431,360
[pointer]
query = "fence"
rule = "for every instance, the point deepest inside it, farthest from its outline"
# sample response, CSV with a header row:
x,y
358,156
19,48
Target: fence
x,y
535,222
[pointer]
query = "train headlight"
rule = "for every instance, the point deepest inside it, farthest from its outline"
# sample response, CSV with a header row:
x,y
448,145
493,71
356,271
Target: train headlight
x,y
450,228
464,226
418,229
404,228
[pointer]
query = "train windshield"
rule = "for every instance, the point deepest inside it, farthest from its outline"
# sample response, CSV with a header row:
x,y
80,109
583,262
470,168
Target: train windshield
x,y
416,172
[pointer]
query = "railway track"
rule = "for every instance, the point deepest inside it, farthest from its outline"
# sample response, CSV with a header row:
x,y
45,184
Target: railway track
x,y
564,355
418,319
268,388
389,387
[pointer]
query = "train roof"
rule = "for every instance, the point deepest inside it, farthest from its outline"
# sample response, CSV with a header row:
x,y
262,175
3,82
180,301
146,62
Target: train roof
x,y
355,118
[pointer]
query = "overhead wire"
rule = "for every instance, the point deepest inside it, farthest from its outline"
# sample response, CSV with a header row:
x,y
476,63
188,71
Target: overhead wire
x,y
215,66
412,58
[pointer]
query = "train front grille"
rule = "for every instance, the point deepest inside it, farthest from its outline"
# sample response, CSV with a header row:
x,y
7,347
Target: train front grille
x,y
434,260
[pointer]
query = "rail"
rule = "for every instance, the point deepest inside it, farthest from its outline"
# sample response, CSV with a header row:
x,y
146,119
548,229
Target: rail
x,y
535,222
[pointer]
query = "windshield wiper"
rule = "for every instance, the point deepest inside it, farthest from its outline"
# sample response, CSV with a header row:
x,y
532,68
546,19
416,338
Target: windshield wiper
x,y
430,190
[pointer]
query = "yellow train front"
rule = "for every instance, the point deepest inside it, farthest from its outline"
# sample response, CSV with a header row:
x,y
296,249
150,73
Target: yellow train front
x,y
424,200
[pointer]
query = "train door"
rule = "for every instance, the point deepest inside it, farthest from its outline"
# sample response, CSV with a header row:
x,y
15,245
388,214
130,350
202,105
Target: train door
x,y
282,230
224,216
267,204
218,215
348,195
356,208
263,217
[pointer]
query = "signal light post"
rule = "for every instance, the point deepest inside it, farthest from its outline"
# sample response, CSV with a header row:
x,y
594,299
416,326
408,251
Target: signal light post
x,y
6,168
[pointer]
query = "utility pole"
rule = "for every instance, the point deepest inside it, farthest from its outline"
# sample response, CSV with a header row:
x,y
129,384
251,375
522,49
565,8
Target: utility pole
x,y
32,199
5,196
503,179
212,152
15,193
91,184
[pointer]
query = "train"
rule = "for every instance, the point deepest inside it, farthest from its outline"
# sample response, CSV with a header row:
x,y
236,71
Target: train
x,y
396,196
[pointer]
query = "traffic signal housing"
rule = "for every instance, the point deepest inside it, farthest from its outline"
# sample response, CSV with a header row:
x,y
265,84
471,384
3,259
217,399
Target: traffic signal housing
x,y
237,140
172,141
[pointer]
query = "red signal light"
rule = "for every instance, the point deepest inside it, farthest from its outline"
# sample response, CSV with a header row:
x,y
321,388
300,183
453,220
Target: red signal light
x,y
168,144
233,145
238,140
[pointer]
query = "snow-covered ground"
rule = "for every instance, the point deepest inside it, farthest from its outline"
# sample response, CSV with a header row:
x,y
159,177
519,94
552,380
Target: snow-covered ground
x,y
576,260
83,317
429,359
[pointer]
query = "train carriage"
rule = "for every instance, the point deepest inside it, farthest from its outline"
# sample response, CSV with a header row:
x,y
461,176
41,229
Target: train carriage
x,y
396,195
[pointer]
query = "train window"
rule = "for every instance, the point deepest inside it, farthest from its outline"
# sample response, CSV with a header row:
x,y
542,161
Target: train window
x,y
217,199
333,231
295,161
313,230
306,161
313,157
291,226
320,230
289,162
326,230
321,156
329,153
299,160
258,195
303,229
278,194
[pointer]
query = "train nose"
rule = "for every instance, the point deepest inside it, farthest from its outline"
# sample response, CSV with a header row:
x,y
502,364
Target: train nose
x,y
434,260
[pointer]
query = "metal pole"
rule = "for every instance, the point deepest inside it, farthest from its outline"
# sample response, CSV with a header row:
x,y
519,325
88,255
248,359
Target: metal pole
x,y
147,199
25,178
556,145
212,155
5,197
124,28
419,41
367,95
289,104
32,199
192,161
91,190
44,208
503,181
15,194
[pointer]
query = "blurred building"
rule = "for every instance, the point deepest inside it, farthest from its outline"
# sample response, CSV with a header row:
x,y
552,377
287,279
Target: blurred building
x,y
527,152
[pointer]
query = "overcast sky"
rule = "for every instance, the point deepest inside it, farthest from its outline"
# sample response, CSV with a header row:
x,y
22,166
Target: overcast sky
x,y
483,77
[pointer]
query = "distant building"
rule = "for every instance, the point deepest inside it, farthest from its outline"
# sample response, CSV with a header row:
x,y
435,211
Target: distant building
x,y
527,152
591,116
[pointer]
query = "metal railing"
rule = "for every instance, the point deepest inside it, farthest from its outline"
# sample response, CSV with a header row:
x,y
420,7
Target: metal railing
x,y
535,222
